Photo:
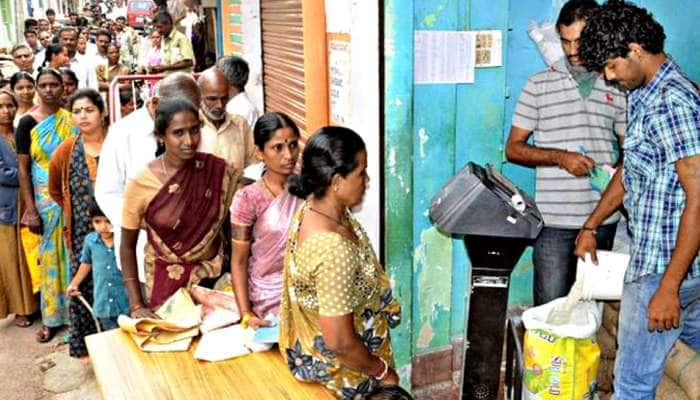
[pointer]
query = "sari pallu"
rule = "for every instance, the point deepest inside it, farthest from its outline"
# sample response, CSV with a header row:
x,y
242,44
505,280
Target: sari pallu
x,y
54,261
266,261
184,223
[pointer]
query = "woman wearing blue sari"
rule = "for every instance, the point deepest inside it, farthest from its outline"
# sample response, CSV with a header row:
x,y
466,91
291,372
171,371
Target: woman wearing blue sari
x,y
38,136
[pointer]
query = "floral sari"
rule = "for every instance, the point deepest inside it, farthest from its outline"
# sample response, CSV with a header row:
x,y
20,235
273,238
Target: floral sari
x,y
54,259
329,275
184,222
268,219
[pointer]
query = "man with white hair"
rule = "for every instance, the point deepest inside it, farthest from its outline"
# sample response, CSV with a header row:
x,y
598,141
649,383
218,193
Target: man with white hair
x,y
127,150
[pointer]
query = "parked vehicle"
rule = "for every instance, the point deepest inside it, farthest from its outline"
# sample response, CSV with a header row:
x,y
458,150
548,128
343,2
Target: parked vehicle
x,y
139,13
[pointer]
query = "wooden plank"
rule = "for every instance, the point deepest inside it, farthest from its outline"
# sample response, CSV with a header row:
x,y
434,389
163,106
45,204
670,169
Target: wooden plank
x,y
125,372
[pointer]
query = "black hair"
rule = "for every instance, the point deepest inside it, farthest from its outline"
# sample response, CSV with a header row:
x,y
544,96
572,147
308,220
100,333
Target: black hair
x,y
49,71
103,32
72,13
90,94
12,96
95,210
52,50
30,23
70,74
576,10
125,96
268,124
50,11
236,71
332,150
20,76
66,29
167,108
610,30
162,17
390,392
121,17
30,30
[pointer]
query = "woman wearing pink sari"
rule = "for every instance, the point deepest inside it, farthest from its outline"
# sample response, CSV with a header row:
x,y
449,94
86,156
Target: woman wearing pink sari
x,y
260,217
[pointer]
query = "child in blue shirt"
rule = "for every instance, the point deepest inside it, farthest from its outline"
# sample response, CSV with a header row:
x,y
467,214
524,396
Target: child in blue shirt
x,y
98,257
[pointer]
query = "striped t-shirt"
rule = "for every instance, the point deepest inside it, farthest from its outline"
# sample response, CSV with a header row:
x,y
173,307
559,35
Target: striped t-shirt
x,y
551,107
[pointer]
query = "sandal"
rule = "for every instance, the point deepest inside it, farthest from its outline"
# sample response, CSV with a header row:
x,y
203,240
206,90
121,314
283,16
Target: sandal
x,y
23,321
45,334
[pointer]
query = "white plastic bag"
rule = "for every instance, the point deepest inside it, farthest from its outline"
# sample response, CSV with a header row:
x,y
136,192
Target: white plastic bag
x,y
605,280
584,322
546,36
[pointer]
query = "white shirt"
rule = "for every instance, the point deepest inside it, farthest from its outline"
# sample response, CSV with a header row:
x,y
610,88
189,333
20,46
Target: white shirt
x,y
84,68
128,148
241,105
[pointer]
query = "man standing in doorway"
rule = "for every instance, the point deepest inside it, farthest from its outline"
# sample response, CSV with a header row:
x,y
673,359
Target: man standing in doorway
x,y
236,71
659,184
577,121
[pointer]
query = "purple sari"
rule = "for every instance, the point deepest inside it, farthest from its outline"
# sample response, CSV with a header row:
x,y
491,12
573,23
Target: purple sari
x,y
270,219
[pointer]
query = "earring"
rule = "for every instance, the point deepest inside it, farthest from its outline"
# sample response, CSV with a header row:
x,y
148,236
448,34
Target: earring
x,y
335,188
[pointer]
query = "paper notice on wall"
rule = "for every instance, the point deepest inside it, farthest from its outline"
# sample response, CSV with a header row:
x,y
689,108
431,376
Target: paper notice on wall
x,y
338,13
339,69
444,57
489,49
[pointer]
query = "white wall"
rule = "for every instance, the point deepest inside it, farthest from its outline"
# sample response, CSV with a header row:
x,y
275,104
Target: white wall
x,y
252,50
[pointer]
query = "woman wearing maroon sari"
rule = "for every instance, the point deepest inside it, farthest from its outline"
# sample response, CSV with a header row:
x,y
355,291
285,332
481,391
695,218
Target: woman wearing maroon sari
x,y
181,200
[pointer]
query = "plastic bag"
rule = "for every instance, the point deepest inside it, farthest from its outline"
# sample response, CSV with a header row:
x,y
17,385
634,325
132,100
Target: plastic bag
x,y
561,361
547,39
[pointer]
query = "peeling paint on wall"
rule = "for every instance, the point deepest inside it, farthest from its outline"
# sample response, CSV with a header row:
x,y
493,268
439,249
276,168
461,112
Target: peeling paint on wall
x,y
423,138
432,18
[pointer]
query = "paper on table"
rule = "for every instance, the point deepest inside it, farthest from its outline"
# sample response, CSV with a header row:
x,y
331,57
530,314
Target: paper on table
x,y
444,57
222,344
268,334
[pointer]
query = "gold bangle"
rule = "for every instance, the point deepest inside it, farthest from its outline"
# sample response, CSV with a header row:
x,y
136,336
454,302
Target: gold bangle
x,y
246,318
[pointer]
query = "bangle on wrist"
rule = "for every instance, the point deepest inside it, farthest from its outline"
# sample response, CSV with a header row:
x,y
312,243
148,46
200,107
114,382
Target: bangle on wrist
x,y
136,307
385,370
245,319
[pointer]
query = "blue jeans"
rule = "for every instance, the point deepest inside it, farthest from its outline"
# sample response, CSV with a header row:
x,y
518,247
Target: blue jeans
x,y
641,355
108,323
555,262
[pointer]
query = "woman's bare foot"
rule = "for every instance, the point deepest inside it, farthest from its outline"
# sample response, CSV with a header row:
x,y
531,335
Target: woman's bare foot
x,y
22,321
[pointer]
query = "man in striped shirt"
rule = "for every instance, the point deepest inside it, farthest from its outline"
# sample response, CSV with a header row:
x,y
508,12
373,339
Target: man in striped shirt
x,y
576,120
660,187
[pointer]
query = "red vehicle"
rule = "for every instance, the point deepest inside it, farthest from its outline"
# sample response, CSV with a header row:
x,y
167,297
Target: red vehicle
x,y
139,13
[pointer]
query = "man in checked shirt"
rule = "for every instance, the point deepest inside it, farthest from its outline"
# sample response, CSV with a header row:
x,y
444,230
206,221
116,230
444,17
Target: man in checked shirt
x,y
659,185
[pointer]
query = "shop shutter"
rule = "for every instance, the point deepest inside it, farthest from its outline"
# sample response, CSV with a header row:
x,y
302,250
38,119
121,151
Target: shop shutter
x,y
283,58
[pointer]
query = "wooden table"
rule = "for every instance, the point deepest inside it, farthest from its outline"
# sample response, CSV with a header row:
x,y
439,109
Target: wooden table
x,y
125,372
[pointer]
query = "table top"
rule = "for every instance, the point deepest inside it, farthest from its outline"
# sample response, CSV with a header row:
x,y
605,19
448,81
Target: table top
x,y
125,372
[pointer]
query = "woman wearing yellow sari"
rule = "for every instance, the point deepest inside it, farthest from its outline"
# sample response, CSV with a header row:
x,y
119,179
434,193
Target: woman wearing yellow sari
x,y
337,304
181,199
38,135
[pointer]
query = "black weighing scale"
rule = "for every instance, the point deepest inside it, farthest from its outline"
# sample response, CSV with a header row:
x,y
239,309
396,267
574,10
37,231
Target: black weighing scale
x,y
497,221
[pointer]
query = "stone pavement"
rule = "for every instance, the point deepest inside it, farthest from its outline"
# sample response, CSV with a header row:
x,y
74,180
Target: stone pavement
x,y
41,371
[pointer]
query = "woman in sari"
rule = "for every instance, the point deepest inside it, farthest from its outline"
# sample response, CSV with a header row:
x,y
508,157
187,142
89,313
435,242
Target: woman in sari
x,y
70,85
337,304
181,199
16,295
72,174
107,72
260,217
38,136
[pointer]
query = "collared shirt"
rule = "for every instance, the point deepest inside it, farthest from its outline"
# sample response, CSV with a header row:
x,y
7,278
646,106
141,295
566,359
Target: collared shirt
x,y
83,66
128,148
110,295
664,127
241,105
551,106
232,141
177,47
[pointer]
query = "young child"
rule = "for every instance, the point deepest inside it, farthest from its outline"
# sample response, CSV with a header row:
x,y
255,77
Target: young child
x,y
110,298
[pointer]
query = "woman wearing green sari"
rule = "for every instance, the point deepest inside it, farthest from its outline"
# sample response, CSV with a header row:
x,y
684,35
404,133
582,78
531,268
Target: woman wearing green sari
x,y
38,135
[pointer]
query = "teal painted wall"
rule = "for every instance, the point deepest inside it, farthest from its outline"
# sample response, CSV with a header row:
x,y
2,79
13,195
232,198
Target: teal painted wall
x,y
431,131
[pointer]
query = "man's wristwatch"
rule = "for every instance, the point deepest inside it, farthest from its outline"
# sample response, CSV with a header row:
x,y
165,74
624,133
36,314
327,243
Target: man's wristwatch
x,y
585,228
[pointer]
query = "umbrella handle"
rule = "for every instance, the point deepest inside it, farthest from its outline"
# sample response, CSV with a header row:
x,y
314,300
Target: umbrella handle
x,y
92,314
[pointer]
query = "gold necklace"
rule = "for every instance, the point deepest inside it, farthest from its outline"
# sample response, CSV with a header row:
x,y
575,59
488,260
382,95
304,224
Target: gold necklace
x,y
337,221
162,164
266,186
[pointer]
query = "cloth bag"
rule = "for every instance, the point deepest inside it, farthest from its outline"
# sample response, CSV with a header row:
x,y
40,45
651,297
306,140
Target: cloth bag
x,y
561,361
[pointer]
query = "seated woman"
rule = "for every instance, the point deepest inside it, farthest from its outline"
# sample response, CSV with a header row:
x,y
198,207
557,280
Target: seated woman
x,y
181,200
260,217
337,304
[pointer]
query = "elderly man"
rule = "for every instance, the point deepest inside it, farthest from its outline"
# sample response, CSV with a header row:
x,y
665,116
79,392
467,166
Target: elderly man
x,y
23,58
577,122
659,185
129,147
224,135
177,49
